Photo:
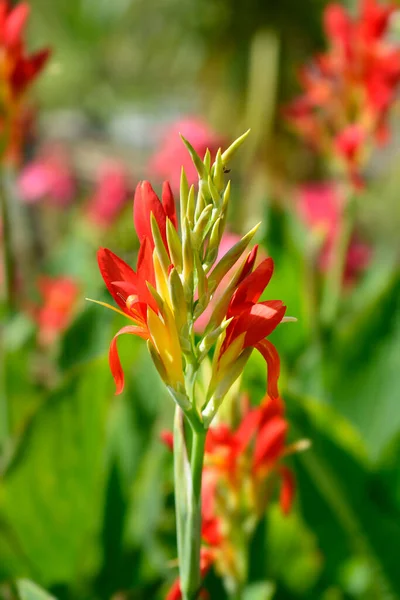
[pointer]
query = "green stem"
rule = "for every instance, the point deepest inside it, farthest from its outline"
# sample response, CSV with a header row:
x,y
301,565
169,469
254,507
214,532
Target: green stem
x,y
334,280
188,475
7,248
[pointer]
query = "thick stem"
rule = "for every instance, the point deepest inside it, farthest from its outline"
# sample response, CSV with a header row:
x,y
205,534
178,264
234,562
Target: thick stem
x,y
188,474
191,587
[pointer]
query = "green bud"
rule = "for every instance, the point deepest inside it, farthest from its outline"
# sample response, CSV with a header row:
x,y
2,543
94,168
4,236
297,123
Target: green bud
x,y
191,205
207,159
188,280
159,244
202,283
227,261
200,230
174,245
209,340
201,202
215,195
159,301
177,298
212,250
184,192
198,163
233,148
218,171
223,386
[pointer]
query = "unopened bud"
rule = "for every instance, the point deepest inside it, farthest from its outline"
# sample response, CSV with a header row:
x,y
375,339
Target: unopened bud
x,y
233,148
174,246
198,163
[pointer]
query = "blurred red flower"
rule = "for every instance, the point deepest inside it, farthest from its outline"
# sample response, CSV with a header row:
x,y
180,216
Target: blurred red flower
x,y
59,297
18,70
172,155
48,176
320,206
110,195
349,89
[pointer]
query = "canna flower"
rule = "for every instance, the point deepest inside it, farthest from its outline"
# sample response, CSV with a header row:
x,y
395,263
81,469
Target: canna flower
x,y
242,466
321,206
109,196
249,324
59,299
18,70
48,176
241,469
168,161
350,89
151,320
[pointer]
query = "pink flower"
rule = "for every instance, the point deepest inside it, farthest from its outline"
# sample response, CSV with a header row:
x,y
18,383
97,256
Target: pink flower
x,y
110,195
49,176
172,154
320,207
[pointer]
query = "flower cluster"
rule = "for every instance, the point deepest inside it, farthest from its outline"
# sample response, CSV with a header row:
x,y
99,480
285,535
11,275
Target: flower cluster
x,y
17,70
241,467
350,89
176,277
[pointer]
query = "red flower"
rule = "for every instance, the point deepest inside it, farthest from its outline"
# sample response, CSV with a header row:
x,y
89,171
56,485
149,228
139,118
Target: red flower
x,y
18,71
252,321
59,295
349,90
130,289
109,196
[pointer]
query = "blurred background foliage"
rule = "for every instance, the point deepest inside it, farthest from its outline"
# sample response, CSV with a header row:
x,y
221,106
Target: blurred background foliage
x,y
86,503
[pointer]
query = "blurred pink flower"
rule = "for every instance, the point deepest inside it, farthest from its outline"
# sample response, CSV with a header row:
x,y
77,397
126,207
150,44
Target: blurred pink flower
x,y
228,240
320,206
110,194
172,155
59,297
48,176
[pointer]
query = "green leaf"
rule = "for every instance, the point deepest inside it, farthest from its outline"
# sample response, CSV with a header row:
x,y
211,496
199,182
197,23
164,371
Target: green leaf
x,y
51,495
263,590
27,590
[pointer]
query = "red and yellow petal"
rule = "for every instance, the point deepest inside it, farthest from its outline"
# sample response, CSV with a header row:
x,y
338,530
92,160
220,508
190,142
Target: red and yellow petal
x,y
115,363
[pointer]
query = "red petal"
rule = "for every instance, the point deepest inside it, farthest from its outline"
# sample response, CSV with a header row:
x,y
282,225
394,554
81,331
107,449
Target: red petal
x,y
115,363
251,288
114,269
259,321
288,489
15,23
146,202
175,591
270,442
271,357
248,265
248,429
168,203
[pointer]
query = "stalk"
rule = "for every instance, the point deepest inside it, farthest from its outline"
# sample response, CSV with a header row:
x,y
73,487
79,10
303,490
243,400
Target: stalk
x,y
187,476
334,280
8,260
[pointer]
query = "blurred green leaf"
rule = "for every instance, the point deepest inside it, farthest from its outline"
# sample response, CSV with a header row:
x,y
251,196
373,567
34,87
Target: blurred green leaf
x,y
52,494
259,591
27,590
